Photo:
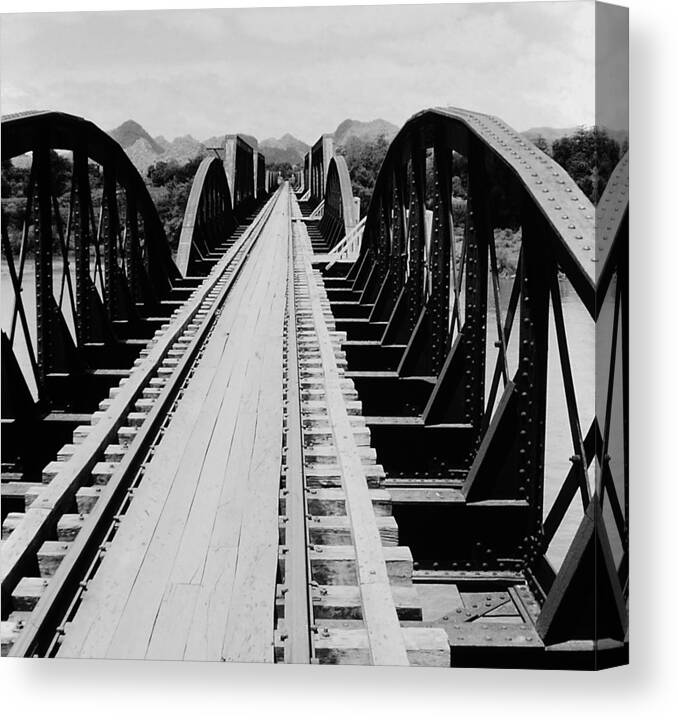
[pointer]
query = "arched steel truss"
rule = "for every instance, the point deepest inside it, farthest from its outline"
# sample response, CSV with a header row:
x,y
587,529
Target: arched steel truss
x,y
307,171
320,155
240,161
208,220
92,278
261,176
339,210
422,307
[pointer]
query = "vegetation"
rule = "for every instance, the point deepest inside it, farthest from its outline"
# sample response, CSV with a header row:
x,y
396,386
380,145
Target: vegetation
x,y
15,180
589,156
286,169
168,172
170,186
364,158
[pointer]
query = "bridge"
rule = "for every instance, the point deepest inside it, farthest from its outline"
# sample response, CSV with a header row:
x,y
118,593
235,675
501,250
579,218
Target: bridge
x,y
309,436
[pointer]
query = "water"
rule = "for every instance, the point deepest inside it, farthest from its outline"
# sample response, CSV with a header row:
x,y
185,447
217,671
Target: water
x,y
581,340
580,331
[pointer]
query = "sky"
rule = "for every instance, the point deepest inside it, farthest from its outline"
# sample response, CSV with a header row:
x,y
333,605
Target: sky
x,y
303,70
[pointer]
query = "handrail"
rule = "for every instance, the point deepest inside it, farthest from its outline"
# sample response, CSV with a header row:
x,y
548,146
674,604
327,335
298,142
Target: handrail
x,y
348,248
208,218
318,212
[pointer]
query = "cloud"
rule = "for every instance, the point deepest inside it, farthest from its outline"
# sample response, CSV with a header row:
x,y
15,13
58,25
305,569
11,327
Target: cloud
x,y
302,70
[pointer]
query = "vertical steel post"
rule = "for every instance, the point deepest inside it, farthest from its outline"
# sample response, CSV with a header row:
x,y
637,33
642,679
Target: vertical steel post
x,y
416,233
42,228
441,240
538,267
478,228
81,231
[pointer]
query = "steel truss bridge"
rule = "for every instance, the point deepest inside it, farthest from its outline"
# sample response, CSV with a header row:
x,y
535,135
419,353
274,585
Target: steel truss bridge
x,y
307,436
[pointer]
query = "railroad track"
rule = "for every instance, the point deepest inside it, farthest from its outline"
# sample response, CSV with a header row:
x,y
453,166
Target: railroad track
x,y
51,550
344,593
345,583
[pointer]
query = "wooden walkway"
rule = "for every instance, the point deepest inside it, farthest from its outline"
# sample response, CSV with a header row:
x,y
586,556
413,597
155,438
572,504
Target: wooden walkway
x,y
191,572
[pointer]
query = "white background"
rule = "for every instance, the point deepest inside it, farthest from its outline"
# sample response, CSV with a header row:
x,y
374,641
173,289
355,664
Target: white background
x,y
646,689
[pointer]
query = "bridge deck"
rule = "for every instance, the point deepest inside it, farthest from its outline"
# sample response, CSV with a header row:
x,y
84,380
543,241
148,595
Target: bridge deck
x,y
191,572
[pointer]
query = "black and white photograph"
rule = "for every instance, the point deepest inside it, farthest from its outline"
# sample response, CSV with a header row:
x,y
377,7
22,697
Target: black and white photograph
x,y
315,335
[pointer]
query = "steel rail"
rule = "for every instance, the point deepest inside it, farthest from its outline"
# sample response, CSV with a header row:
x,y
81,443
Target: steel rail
x,y
384,635
299,647
51,641
42,516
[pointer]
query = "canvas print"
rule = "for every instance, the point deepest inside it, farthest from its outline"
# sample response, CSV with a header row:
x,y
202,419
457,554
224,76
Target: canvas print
x,y
315,335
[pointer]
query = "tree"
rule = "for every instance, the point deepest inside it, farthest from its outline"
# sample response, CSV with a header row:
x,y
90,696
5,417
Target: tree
x,y
166,171
364,158
589,157
286,169
542,143
171,185
14,180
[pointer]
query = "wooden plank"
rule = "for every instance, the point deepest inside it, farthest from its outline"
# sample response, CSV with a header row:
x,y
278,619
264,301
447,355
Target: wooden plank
x,y
208,624
249,629
424,646
208,628
90,633
48,505
137,623
219,470
62,489
385,637
168,640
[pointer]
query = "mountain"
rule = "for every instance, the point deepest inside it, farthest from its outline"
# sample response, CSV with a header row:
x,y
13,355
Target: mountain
x,y
287,142
143,150
550,134
216,141
277,156
143,154
182,149
363,130
286,149
130,133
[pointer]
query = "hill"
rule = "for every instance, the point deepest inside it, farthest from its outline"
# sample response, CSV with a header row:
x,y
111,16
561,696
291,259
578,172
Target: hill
x,y
144,151
216,141
287,142
364,130
286,149
130,133
278,156
183,149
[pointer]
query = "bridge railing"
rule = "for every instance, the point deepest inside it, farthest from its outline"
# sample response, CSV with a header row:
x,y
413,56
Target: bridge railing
x,y
320,156
442,297
348,248
90,273
208,219
239,159
89,239
307,173
261,176
339,209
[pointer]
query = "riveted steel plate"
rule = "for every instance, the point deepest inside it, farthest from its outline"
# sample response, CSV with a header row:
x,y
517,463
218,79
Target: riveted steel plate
x,y
610,212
